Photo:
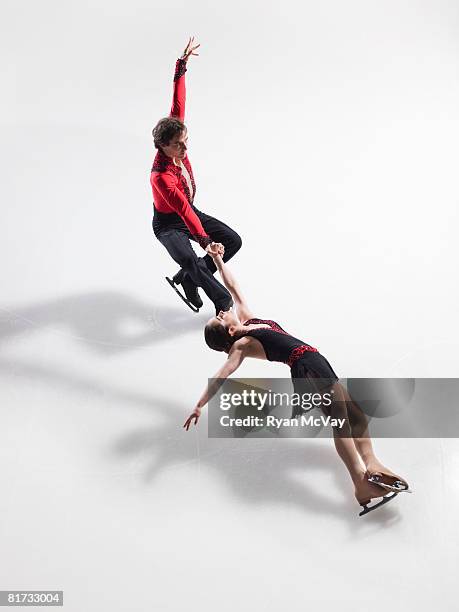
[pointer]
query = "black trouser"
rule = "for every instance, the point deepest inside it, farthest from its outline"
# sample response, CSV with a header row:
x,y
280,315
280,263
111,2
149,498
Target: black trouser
x,y
220,232
175,236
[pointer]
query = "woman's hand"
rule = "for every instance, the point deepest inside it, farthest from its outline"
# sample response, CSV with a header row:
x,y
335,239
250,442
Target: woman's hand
x,y
194,415
190,49
215,249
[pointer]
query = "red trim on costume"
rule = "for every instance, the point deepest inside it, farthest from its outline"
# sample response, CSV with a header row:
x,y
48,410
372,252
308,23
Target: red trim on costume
x,y
297,352
274,326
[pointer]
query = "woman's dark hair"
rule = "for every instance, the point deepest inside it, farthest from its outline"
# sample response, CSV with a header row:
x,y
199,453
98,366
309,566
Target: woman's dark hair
x,y
166,129
217,337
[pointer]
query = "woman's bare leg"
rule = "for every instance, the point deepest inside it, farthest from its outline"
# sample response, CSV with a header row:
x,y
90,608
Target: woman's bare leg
x,y
348,452
362,439
359,425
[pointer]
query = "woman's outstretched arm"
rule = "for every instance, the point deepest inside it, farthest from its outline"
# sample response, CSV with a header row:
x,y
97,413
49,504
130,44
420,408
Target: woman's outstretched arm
x,y
242,309
235,358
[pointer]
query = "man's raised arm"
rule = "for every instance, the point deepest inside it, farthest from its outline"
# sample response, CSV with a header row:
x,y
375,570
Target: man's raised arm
x,y
179,96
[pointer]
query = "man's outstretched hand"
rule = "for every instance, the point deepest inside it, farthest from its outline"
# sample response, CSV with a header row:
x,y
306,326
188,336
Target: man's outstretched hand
x,y
190,49
194,415
215,249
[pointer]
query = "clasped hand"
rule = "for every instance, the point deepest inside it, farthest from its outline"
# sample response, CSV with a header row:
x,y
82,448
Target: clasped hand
x,y
215,249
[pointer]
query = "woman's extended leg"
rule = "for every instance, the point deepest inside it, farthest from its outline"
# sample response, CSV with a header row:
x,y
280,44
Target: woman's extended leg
x,y
362,439
347,450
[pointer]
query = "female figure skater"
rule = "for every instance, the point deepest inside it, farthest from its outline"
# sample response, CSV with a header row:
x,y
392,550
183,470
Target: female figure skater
x,y
176,220
241,335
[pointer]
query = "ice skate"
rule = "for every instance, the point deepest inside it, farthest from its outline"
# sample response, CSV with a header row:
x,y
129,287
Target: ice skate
x,y
367,492
385,499
190,295
388,480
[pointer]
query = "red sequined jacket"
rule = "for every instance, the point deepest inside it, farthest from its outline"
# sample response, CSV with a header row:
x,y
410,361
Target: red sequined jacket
x,y
170,189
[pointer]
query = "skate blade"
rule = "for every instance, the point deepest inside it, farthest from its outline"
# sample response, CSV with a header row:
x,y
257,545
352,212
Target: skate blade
x,y
386,499
183,297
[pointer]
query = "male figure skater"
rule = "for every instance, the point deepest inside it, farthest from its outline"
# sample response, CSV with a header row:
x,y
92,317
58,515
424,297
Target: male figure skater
x,y
240,335
176,220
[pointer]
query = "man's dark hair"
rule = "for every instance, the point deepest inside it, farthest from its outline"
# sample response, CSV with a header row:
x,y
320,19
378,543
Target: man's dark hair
x,y
166,129
217,337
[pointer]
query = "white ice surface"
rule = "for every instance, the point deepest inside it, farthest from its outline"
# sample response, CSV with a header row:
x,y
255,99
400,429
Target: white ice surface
x,y
327,135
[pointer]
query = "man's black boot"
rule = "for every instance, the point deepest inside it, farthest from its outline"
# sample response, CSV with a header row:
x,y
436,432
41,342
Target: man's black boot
x,y
191,291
